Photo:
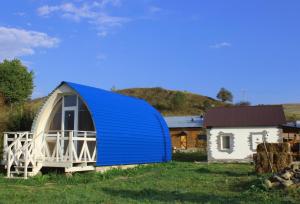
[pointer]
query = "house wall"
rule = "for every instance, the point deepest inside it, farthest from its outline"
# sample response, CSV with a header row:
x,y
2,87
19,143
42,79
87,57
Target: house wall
x,y
241,148
192,138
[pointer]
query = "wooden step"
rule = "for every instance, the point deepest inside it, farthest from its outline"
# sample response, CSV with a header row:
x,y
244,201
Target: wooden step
x,y
17,172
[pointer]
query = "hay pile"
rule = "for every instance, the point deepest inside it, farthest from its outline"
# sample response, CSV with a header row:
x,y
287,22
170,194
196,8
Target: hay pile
x,y
288,178
278,156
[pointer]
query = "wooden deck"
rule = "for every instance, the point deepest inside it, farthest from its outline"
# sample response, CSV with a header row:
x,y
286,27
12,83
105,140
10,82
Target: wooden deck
x,y
25,154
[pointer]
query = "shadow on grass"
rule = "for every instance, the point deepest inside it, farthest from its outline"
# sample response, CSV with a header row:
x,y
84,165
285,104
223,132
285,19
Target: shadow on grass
x,y
248,185
190,156
170,196
224,173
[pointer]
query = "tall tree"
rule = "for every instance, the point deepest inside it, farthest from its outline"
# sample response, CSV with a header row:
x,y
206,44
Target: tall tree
x,y
225,95
16,81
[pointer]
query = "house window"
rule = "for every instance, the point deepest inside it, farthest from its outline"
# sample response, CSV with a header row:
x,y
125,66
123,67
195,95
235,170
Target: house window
x,y
202,137
225,142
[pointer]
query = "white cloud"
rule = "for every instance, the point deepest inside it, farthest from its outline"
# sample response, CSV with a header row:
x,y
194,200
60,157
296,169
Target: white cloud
x,y
19,42
155,9
68,10
105,3
102,34
221,45
20,14
101,57
45,10
93,13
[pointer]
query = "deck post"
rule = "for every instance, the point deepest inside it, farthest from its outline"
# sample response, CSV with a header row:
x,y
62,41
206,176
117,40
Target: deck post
x,y
26,161
26,139
5,146
17,144
8,163
71,146
85,146
57,146
26,156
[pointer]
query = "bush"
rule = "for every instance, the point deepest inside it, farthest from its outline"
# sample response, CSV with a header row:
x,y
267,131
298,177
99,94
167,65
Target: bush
x,y
178,100
21,119
190,156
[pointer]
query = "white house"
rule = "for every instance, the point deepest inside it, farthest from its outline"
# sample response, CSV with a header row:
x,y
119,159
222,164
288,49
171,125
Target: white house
x,y
233,133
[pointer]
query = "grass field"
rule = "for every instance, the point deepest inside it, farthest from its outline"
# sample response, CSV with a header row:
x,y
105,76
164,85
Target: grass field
x,y
174,182
292,111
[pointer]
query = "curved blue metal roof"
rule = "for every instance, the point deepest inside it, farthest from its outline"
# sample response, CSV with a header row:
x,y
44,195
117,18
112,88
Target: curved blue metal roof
x,y
129,130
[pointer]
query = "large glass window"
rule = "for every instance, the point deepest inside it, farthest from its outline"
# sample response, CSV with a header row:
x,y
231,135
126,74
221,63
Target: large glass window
x,y
85,122
83,116
55,123
70,100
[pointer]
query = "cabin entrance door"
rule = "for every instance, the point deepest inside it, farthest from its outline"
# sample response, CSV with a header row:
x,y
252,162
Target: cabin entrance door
x,y
183,142
69,119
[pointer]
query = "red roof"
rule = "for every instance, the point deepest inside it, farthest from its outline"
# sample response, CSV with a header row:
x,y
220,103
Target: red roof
x,y
245,116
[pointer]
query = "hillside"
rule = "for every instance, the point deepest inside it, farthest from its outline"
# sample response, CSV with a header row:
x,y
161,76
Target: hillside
x,y
162,99
194,104
292,111
165,100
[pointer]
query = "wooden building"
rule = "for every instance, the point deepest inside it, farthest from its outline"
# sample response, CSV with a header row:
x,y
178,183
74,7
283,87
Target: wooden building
x,y
187,132
291,132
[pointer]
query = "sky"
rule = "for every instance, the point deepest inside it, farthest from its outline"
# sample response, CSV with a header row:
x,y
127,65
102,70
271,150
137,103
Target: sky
x,y
250,47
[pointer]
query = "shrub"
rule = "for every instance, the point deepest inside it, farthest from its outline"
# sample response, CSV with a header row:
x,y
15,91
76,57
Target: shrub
x,y
21,119
178,100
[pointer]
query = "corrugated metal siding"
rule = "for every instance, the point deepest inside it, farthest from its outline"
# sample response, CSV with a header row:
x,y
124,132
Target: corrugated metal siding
x,y
129,130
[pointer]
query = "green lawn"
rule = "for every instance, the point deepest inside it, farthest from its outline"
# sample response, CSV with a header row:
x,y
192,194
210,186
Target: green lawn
x,y
174,182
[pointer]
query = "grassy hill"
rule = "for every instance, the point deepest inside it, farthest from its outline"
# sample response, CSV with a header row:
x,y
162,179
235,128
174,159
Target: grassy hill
x,y
194,104
163,100
170,102
292,111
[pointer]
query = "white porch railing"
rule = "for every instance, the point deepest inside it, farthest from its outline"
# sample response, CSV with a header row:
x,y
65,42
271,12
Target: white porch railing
x,y
70,146
23,150
19,152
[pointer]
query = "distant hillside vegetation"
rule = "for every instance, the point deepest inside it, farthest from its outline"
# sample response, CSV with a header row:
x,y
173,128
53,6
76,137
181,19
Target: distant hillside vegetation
x,y
163,100
292,111
170,102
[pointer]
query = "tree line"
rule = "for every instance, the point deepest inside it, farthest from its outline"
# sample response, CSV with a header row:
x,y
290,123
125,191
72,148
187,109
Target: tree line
x,y
16,87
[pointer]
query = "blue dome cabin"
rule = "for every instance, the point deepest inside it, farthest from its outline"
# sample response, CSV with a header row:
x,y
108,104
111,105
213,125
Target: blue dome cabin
x,y
80,128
